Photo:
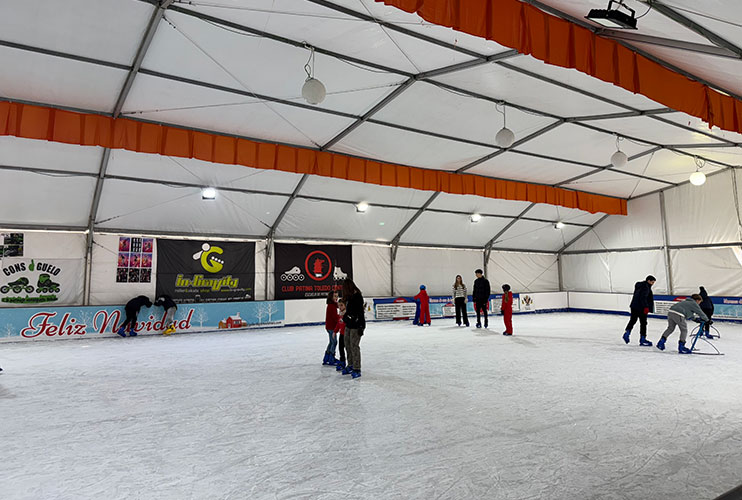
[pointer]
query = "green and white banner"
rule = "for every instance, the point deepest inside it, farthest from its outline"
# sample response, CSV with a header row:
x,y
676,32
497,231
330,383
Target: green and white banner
x,y
29,282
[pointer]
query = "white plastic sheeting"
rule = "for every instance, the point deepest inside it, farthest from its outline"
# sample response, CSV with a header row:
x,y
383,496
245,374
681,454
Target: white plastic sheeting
x,y
30,153
434,268
372,270
459,230
703,214
719,270
524,272
641,228
534,235
613,272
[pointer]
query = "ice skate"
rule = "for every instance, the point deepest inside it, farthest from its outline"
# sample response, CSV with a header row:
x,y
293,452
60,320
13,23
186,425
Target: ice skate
x,y
644,341
169,330
682,349
121,332
347,370
355,374
661,344
132,333
326,359
479,325
340,365
626,336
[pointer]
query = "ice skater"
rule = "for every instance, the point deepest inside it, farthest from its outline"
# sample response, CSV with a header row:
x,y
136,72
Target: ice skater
x,y
642,303
459,300
424,302
677,316
507,309
355,322
132,310
331,321
481,296
340,335
168,321
708,308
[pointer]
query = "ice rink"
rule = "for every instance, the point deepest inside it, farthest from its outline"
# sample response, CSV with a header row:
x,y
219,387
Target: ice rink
x,y
562,410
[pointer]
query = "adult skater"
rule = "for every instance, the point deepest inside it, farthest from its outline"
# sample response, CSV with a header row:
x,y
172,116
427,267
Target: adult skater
x,y
132,309
481,296
677,316
642,303
507,309
355,323
708,309
171,308
459,300
424,302
331,321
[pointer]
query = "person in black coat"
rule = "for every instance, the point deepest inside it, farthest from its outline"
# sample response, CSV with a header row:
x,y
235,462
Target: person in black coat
x,y
481,296
132,309
708,308
355,324
642,303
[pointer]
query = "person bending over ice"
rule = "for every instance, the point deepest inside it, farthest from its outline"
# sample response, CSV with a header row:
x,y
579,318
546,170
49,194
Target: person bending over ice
x,y
132,309
171,308
677,315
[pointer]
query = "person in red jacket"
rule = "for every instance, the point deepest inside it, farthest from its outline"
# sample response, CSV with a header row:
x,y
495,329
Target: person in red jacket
x,y
507,309
331,321
424,306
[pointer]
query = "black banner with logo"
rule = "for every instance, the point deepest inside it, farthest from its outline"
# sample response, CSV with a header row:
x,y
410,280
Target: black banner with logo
x,y
310,271
205,271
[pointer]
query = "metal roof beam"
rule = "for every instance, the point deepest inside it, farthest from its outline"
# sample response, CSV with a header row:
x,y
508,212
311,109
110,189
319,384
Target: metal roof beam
x,y
502,231
699,48
583,233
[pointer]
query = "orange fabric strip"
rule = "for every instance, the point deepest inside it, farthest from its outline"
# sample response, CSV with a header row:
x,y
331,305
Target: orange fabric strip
x,y
37,122
556,41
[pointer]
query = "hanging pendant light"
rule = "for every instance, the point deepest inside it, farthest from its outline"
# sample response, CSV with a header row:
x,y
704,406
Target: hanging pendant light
x,y
698,178
505,137
619,158
313,91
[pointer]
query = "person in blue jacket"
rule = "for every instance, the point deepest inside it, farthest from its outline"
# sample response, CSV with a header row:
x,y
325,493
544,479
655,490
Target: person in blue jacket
x,y
642,303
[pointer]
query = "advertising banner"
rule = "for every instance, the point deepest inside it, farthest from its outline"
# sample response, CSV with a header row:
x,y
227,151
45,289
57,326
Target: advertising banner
x,y
310,271
724,307
440,307
204,271
25,281
134,262
84,322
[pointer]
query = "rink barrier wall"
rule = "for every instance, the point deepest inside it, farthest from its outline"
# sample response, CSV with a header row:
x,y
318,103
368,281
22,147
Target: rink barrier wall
x,y
54,323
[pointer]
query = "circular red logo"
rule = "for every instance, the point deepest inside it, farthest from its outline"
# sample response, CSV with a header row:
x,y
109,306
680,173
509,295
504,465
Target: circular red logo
x,y
319,267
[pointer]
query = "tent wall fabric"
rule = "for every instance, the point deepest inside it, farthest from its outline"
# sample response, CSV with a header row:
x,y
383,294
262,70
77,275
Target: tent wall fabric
x,y
44,123
434,268
525,272
530,30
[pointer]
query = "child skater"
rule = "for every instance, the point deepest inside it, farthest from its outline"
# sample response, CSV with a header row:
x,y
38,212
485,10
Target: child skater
x,y
708,308
424,306
132,309
340,335
507,309
331,321
677,315
459,300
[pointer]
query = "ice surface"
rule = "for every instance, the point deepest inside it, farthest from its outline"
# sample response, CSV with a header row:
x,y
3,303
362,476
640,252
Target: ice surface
x,y
562,410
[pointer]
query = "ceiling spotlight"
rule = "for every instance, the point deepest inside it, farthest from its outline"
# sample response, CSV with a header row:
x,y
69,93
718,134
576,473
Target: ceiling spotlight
x,y
698,178
505,137
614,18
313,91
559,225
475,218
362,207
619,158
208,193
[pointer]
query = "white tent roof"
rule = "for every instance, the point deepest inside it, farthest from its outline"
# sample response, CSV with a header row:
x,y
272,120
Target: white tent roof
x,y
400,90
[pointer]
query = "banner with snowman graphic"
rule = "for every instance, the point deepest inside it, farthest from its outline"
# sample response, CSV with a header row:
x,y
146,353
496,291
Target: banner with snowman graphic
x,y
193,271
310,271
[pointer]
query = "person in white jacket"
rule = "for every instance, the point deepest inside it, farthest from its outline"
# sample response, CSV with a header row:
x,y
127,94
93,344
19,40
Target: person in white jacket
x,y
459,300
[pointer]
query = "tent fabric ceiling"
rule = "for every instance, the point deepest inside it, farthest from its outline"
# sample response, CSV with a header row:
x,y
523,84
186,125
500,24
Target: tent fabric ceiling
x,y
237,66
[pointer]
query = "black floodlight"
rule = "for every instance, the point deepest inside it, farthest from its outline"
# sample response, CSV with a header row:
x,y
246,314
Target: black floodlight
x,y
614,18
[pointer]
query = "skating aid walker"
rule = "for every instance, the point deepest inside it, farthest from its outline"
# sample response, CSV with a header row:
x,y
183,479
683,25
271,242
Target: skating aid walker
x,y
699,332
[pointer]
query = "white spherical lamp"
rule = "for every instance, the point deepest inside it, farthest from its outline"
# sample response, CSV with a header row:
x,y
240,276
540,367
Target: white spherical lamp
x,y
505,138
313,91
697,178
619,159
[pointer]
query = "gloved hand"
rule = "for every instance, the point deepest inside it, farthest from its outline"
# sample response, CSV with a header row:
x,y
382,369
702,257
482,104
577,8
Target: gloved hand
x,y
502,311
697,320
360,332
646,311
710,322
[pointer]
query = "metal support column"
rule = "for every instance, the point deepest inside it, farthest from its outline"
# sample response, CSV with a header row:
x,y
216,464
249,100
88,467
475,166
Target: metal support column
x,y
666,248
